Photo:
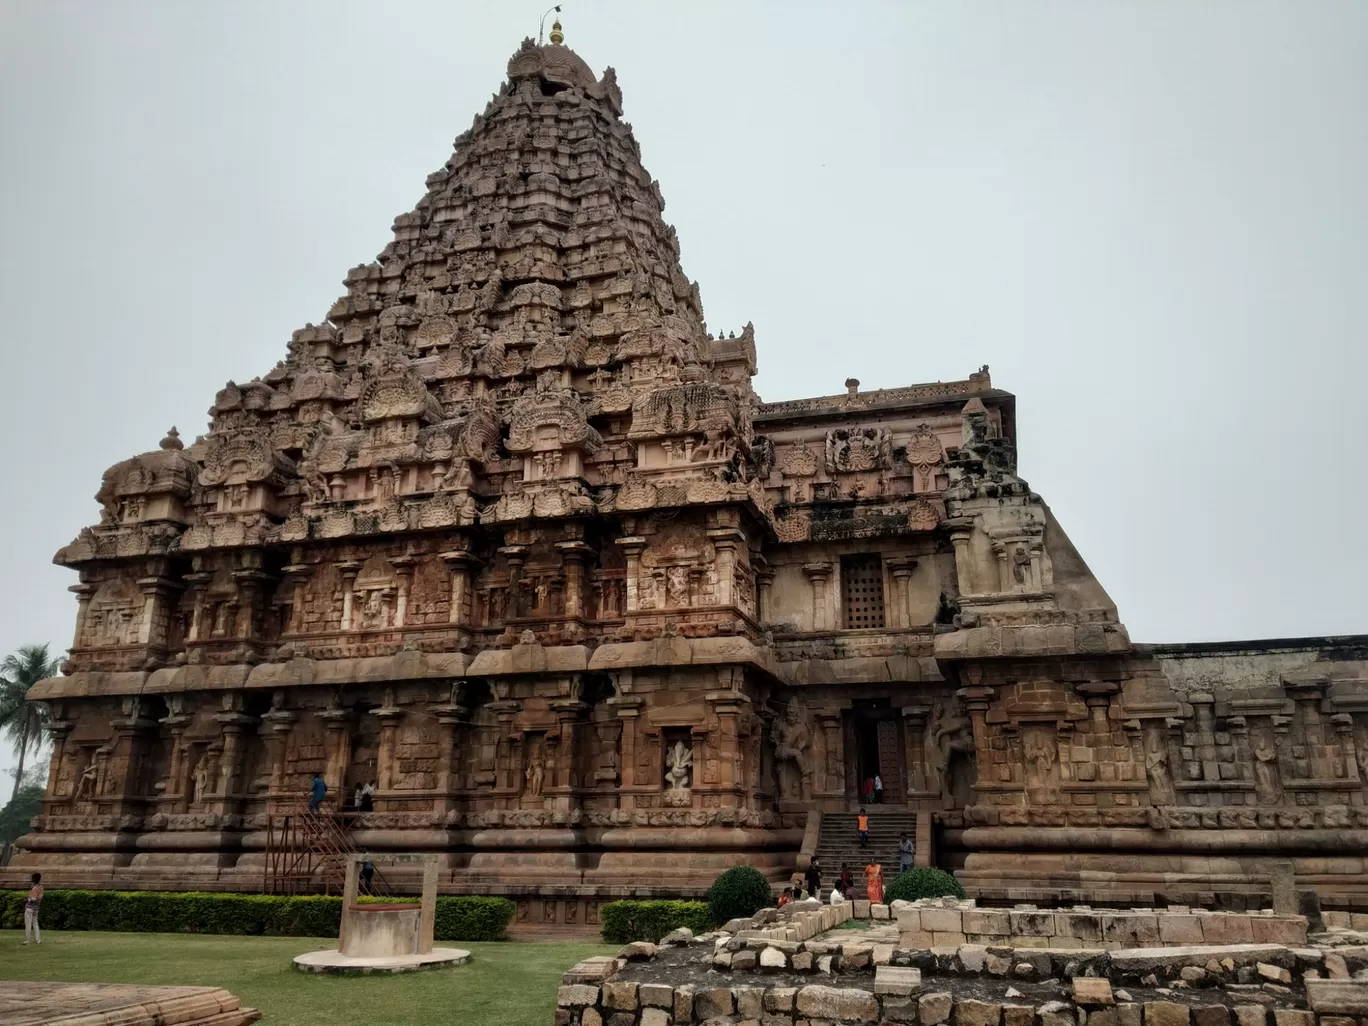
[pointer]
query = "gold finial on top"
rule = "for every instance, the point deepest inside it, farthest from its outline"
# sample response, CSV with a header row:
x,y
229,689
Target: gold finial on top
x,y
557,36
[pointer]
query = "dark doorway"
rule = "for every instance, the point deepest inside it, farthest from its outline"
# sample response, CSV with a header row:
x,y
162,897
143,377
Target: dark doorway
x,y
874,739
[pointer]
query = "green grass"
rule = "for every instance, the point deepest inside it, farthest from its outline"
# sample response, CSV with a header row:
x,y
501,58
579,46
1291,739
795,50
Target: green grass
x,y
511,983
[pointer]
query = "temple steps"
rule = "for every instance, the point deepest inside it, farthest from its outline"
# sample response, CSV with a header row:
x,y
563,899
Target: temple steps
x,y
839,842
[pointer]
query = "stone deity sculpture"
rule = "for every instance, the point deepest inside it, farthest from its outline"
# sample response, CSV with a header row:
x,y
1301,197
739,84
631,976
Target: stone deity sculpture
x,y
680,761
1266,783
1157,767
792,737
535,775
950,732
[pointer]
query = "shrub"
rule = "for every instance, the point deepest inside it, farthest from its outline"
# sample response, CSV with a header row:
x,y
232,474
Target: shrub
x,y
739,892
923,883
457,918
627,921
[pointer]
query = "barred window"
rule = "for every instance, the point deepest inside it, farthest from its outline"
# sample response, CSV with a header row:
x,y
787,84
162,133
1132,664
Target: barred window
x,y
862,591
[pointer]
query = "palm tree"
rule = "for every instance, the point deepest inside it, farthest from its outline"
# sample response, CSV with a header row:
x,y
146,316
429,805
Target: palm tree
x,y
22,720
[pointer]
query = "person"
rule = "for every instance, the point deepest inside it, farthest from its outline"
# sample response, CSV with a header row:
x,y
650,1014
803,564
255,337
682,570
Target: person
x,y
367,874
905,853
368,798
878,789
356,799
874,882
786,898
31,905
847,881
837,894
814,878
862,825
317,791
867,790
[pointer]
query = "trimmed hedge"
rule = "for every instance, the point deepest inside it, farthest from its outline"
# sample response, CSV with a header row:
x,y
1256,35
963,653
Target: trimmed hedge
x,y
923,883
457,919
627,921
739,892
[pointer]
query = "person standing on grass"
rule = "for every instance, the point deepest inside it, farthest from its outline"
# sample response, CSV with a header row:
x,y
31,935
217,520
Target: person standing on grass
x,y
905,853
862,825
31,905
318,790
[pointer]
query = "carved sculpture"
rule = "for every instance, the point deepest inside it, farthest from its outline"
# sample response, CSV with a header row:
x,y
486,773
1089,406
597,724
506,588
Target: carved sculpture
x,y
949,732
680,764
792,738
535,775
1157,768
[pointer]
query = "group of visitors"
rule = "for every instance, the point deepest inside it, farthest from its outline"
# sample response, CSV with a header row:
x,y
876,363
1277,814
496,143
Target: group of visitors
x,y
872,790
809,885
361,800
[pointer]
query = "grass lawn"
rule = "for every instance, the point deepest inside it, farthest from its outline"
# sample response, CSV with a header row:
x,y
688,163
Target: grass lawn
x,y
509,983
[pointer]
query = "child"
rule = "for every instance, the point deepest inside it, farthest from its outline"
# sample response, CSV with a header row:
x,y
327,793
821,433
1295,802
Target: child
x,y
31,906
786,897
862,824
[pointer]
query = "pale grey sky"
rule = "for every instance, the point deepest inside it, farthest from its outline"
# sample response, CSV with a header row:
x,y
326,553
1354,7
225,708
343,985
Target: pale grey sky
x,y
1150,218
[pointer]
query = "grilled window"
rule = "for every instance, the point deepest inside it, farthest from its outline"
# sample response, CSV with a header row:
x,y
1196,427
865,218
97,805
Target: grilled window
x,y
862,591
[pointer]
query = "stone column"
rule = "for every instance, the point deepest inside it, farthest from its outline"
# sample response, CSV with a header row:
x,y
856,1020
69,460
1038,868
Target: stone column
x,y
337,724
507,777
833,784
461,565
128,755
403,574
977,698
389,716
348,568
631,550
726,540
573,557
914,738
516,556
232,722
901,569
728,707
58,727
818,574
298,575
276,725
1343,724
564,743
764,585
961,531
177,790
1097,697
84,593
158,593
628,708
450,718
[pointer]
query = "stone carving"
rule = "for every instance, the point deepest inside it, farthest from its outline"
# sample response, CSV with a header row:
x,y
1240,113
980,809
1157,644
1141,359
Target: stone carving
x,y
1267,785
792,737
1040,752
798,461
925,453
949,733
1157,767
680,767
851,450
535,774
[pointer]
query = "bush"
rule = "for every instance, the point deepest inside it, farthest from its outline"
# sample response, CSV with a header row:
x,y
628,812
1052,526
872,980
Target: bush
x,y
739,892
458,918
923,883
627,921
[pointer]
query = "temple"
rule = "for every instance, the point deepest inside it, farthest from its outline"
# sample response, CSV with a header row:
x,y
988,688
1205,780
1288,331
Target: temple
x,y
510,539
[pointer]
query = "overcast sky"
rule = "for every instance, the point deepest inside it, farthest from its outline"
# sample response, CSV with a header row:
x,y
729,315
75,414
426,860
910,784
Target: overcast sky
x,y
1149,218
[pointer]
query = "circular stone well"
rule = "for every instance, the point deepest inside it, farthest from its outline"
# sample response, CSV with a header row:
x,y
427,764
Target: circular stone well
x,y
336,962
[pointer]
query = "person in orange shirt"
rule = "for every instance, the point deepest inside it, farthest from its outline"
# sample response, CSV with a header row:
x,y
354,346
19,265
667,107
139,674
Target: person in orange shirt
x,y
862,824
786,897
874,882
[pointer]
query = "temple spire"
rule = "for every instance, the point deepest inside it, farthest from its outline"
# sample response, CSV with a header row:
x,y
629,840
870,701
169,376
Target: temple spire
x,y
557,36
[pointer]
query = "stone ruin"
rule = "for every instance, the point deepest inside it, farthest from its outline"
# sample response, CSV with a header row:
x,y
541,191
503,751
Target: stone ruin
x,y
804,965
510,538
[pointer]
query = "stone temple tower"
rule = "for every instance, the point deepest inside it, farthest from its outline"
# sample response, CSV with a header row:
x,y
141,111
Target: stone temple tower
x,y
509,540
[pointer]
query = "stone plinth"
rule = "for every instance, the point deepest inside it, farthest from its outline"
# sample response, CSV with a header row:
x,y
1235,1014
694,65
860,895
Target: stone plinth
x,y
24,1003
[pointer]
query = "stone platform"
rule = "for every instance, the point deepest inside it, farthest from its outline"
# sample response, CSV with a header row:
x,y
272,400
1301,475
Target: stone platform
x,y
335,962
24,1003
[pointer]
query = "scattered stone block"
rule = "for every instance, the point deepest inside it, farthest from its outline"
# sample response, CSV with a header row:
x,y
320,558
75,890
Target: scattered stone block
x,y
997,963
1017,1015
1210,1015
1093,990
656,995
1031,924
1180,930
1192,973
1127,1014
942,920
971,956
591,1017
969,1012
620,996
744,961
773,960
655,1017
780,999
1166,1013
1335,966
1057,1013
749,1002
1337,997
638,951
986,921
684,1004
896,982
577,995
1273,973
861,909
713,1003
802,962
678,938
878,912
934,1008
818,1002
1293,1017
882,954
1251,1015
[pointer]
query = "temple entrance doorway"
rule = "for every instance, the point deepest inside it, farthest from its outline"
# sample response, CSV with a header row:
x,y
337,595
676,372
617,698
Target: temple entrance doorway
x,y
875,747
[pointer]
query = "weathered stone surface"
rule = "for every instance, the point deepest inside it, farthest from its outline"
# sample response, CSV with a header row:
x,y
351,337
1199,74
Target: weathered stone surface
x,y
1018,1015
749,1002
1139,960
1338,997
710,1003
1057,1013
1210,1015
821,1002
1293,1017
638,951
1273,973
780,999
656,995
934,1008
772,959
577,995
684,1004
969,1012
1092,990
654,1017
1251,1015
1166,1013
620,996
898,982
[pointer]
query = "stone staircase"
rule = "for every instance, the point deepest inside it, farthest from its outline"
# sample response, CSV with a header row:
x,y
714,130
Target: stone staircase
x,y
839,843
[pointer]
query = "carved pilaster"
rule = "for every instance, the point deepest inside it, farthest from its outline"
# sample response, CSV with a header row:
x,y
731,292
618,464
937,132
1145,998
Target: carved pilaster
x,y
83,593
726,540
348,568
632,548
462,565
403,574
574,554
389,716
819,574
298,575
901,570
